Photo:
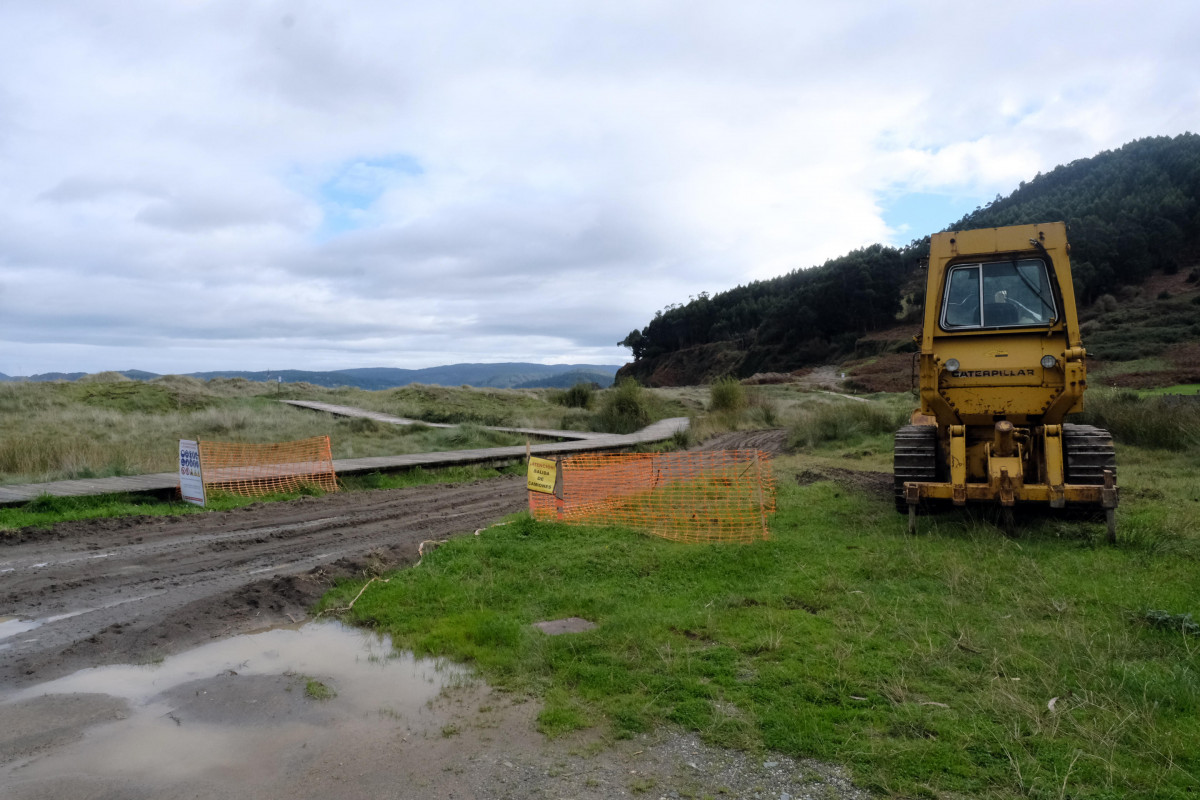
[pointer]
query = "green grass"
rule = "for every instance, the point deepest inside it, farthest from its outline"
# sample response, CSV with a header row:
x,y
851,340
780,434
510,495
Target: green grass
x,y
1181,389
419,476
1112,369
90,445
47,510
510,407
926,663
781,406
316,690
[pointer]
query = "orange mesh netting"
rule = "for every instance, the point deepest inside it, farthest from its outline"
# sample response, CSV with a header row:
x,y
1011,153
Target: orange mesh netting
x,y
692,496
260,469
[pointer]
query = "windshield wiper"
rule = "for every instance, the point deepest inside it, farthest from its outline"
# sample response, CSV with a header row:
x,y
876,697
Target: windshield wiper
x,y
1053,275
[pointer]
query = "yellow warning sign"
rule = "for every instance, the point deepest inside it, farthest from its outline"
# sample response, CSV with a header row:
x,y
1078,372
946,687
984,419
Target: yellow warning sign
x,y
543,473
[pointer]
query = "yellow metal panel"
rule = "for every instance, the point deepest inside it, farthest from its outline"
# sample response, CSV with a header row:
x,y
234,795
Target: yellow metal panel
x,y
1028,493
1005,478
958,462
1052,442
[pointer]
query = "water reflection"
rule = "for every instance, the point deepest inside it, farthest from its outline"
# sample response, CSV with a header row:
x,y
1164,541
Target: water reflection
x,y
235,712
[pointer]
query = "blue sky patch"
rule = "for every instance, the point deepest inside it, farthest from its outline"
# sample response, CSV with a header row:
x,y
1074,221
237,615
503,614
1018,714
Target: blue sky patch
x,y
348,196
916,214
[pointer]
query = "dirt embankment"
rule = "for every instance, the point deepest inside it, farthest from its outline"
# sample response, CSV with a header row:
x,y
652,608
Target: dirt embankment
x,y
1183,366
135,589
894,372
704,363
691,366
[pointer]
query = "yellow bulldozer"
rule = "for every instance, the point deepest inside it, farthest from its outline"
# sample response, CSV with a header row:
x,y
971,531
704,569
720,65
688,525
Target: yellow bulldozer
x,y
1001,365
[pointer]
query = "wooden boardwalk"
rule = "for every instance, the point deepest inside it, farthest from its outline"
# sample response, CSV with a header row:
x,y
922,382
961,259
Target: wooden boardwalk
x,y
378,416
168,481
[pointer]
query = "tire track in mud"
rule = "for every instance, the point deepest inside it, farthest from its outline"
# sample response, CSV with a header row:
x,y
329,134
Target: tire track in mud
x,y
136,589
773,441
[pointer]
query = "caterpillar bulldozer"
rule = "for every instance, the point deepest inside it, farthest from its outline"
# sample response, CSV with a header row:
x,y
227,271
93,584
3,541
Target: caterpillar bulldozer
x,y
1001,365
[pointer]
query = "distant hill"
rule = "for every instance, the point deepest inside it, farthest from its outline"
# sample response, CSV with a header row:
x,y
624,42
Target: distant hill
x,y
498,376
565,380
1133,214
46,376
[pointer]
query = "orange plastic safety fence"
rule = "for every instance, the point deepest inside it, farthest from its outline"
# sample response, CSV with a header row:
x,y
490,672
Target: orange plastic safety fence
x,y
691,496
259,469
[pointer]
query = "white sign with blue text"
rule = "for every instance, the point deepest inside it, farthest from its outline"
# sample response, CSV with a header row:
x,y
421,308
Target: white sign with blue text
x,y
191,482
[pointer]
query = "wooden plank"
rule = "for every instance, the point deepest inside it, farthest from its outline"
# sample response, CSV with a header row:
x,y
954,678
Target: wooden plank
x,y
378,416
21,493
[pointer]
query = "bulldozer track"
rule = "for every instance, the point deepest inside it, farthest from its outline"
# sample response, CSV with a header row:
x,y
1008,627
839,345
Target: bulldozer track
x,y
1087,452
914,459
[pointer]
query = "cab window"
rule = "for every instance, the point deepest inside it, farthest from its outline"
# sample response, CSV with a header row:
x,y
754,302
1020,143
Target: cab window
x,y
1003,294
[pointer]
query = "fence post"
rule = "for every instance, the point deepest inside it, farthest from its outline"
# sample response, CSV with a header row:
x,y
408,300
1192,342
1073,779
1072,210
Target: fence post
x,y
558,486
762,511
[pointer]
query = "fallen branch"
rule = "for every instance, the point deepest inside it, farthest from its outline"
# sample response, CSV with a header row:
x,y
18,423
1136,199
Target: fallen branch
x,y
420,558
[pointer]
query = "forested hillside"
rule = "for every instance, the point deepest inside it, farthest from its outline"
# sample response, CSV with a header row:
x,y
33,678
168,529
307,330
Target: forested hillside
x,y
1132,212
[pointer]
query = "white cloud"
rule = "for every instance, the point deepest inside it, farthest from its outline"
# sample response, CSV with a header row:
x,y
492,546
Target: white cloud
x,y
227,184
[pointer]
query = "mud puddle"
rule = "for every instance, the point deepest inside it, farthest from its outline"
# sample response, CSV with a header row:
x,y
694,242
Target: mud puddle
x,y
239,717
11,626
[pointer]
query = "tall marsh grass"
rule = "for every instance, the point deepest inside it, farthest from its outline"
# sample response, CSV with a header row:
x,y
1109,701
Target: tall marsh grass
x,y
1162,422
848,420
733,406
31,455
581,395
727,395
624,408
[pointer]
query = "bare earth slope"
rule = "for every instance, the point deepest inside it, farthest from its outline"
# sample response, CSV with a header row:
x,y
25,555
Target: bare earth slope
x,y
136,589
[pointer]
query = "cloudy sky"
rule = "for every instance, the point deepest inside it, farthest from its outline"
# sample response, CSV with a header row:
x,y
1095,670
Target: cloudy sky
x,y
263,184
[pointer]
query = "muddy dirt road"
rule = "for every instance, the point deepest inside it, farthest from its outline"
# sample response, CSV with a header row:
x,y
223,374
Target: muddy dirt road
x,y
137,589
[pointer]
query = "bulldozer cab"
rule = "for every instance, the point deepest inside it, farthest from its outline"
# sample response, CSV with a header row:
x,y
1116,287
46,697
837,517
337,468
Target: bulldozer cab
x,y
1000,338
998,294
